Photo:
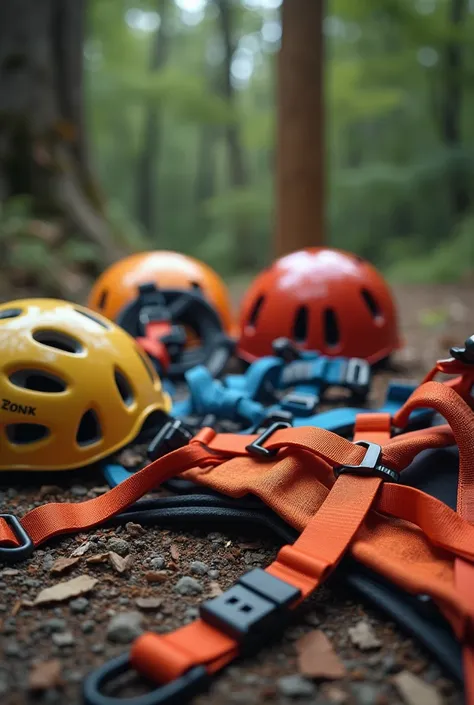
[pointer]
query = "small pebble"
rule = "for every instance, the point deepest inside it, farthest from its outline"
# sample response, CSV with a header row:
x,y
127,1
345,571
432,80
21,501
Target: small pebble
x,y
295,686
3,682
199,568
79,490
12,648
124,600
55,625
119,546
62,639
365,694
191,613
125,627
213,574
157,563
188,586
79,605
88,626
97,648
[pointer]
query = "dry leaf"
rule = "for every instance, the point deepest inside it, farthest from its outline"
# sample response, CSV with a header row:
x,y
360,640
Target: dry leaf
x,y
45,675
63,591
414,691
156,576
317,658
62,564
80,550
255,546
214,589
363,636
134,529
98,558
16,608
148,603
174,551
120,564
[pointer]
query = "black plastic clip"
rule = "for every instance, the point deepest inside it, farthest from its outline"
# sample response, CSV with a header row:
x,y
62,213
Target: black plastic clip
x,y
257,447
465,354
286,349
173,435
301,404
252,609
176,692
12,554
370,464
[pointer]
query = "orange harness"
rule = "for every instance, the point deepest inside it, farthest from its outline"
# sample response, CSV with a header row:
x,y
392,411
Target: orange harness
x,y
411,538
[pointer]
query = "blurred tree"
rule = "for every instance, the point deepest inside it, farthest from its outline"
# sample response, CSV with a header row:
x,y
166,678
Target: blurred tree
x,y
148,188
43,154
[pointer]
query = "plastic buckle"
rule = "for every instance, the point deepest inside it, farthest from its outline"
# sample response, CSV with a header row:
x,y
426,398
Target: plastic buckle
x,y
173,435
370,464
272,417
12,554
465,354
257,448
300,404
176,692
286,349
252,608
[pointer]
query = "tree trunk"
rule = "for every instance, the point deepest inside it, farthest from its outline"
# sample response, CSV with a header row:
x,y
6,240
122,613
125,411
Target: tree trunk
x,y
300,138
42,143
238,172
451,117
149,158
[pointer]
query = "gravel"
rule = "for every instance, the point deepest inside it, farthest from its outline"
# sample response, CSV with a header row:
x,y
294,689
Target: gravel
x,y
118,545
188,586
62,639
295,686
125,627
199,568
79,605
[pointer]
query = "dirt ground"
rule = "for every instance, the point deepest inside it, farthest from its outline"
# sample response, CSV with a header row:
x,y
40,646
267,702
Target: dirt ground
x,y
78,632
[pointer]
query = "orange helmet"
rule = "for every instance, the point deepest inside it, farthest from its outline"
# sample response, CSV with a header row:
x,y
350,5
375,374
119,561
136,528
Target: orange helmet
x,y
118,285
322,299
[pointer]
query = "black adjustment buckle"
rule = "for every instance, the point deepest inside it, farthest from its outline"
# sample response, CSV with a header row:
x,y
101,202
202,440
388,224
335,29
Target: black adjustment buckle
x,y
173,435
370,464
252,609
257,447
12,554
286,349
176,692
300,404
465,354
273,416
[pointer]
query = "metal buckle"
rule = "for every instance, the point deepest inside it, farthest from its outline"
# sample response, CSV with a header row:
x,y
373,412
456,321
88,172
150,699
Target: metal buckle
x,y
257,448
12,554
176,692
173,435
370,464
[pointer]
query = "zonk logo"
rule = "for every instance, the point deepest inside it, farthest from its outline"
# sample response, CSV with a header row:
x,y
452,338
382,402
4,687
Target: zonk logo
x,y
8,405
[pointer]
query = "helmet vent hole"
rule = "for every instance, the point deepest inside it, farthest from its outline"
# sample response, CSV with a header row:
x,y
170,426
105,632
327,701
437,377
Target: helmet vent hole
x,y
331,328
89,430
300,326
59,341
38,381
124,388
104,295
93,317
10,313
25,433
371,303
196,287
255,311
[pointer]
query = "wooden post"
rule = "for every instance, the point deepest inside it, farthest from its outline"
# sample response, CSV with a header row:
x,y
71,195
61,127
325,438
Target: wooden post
x,y
300,128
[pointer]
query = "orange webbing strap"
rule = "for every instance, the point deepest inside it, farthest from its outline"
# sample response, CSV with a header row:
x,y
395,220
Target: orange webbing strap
x,y
333,528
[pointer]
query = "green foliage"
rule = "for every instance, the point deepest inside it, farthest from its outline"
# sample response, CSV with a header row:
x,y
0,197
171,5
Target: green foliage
x,y
395,175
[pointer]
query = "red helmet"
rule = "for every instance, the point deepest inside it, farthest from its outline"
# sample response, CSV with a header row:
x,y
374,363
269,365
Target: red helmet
x,y
322,299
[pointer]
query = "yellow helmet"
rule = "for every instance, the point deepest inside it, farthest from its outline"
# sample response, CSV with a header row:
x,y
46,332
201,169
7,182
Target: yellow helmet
x,y
74,387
